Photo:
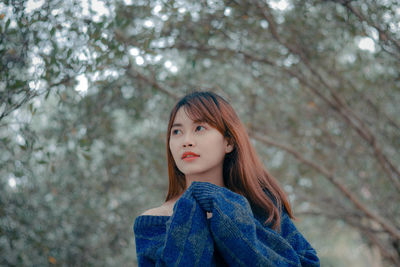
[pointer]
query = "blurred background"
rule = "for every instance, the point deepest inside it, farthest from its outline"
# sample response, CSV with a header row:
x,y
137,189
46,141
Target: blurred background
x,y
87,86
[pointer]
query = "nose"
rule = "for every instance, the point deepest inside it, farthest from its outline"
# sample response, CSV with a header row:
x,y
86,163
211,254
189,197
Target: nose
x,y
188,141
187,144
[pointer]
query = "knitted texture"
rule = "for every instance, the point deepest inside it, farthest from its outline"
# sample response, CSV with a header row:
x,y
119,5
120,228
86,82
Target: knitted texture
x,y
233,236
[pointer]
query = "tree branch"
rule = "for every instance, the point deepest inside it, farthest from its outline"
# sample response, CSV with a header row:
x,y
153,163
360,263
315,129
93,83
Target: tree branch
x,y
131,72
338,104
335,181
383,35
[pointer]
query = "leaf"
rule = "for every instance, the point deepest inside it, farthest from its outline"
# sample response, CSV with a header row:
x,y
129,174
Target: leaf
x,y
7,24
69,53
47,94
18,84
146,44
52,260
5,140
87,156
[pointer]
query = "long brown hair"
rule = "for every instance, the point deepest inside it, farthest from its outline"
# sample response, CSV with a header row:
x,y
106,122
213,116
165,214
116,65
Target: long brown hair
x,y
243,172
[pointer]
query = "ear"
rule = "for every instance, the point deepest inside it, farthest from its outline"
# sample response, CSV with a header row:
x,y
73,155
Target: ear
x,y
228,148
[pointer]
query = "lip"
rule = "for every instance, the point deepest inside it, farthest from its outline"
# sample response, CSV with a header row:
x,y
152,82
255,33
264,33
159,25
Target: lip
x,y
189,153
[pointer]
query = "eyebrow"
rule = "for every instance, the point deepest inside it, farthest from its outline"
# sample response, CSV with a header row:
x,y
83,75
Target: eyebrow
x,y
180,124
176,125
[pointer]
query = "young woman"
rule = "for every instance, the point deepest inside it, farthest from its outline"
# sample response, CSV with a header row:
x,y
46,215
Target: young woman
x,y
222,208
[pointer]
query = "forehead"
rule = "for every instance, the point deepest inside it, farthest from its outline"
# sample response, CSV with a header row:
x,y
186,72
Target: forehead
x,y
185,116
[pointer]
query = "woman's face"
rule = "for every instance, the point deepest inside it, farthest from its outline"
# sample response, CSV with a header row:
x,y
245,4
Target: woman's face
x,y
197,148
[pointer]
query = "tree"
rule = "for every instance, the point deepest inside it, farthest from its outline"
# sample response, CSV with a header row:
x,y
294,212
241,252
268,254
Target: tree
x,y
316,82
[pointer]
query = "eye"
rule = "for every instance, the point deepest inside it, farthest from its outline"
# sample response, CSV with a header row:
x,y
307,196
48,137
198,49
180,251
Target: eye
x,y
175,131
200,128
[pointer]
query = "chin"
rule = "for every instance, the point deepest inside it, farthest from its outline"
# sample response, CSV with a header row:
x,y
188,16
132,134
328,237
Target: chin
x,y
191,173
190,170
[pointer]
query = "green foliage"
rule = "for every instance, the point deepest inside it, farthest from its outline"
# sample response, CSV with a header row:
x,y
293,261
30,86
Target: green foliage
x,y
85,95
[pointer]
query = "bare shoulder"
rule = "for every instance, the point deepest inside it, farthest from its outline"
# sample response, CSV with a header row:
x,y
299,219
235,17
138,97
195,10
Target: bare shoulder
x,y
154,211
165,209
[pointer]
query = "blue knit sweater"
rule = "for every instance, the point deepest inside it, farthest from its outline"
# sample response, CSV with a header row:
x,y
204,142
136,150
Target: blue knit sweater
x,y
233,236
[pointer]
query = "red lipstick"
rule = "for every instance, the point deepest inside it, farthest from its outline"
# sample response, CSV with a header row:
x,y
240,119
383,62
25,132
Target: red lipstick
x,y
188,155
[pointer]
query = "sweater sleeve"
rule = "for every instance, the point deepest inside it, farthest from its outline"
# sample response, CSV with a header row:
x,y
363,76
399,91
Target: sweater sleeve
x,y
241,239
186,240
307,254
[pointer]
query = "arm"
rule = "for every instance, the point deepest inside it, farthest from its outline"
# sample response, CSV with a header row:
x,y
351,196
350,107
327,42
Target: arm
x,y
307,255
185,240
241,239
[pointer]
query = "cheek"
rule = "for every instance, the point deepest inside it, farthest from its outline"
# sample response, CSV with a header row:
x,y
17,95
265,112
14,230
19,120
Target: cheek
x,y
172,148
219,143
216,148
